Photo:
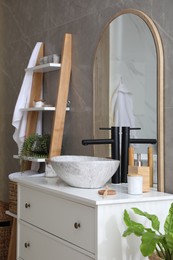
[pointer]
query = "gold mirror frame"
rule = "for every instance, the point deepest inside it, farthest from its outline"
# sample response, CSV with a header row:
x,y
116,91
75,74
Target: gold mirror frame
x,y
160,91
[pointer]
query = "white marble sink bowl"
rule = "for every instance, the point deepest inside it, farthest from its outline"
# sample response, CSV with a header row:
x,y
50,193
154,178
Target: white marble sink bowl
x,y
84,171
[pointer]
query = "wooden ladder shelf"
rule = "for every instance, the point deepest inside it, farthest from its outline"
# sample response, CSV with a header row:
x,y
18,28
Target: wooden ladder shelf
x,y
63,89
62,97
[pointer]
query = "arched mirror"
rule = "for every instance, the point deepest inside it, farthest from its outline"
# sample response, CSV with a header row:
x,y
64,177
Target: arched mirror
x,y
129,60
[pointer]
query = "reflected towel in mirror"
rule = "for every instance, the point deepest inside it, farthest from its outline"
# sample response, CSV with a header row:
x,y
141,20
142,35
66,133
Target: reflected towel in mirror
x,y
122,106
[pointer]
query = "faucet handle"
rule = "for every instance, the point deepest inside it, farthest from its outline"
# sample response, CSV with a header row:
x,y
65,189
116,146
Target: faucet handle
x,y
104,128
110,128
135,128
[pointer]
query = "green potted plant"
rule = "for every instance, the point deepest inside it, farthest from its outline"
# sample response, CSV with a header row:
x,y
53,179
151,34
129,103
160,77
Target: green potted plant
x,y
154,244
36,145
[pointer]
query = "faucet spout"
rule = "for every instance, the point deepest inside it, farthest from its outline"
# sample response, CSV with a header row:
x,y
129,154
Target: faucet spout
x,y
97,141
115,153
143,141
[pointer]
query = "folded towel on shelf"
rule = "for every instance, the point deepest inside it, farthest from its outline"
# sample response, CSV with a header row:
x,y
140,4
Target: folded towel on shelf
x,y
19,120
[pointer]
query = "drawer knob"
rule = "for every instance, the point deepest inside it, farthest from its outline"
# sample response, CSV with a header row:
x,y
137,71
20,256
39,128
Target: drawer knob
x,y
76,225
27,205
27,244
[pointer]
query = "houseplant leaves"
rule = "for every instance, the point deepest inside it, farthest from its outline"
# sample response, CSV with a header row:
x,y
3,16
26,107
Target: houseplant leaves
x,y
152,240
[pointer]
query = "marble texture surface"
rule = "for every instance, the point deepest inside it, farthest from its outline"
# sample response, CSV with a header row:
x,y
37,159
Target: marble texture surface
x,y
84,171
23,23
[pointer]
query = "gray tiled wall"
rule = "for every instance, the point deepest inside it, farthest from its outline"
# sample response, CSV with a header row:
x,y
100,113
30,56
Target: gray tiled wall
x,y
23,23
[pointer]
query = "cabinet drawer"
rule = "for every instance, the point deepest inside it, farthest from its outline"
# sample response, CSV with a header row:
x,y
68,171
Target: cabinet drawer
x,y
38,245
65,219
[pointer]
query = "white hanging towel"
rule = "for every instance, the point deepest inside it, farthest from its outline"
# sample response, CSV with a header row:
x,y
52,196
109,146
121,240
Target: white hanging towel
x,y
19,120
122,106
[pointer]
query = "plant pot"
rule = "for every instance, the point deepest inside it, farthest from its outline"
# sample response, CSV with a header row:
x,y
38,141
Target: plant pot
x,y
155,257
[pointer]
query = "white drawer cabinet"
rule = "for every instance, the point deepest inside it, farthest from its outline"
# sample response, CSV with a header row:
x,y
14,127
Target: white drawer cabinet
x,y
59,222
66,219
40,245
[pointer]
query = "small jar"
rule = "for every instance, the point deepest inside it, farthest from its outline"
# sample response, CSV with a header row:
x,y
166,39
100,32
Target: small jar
x,y
135,184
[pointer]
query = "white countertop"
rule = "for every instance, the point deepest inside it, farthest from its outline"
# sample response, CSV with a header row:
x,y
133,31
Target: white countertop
x,y
89,196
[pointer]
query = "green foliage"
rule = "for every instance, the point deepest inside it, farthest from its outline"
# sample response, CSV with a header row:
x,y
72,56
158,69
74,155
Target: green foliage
x,y
152,240
154,219
36,146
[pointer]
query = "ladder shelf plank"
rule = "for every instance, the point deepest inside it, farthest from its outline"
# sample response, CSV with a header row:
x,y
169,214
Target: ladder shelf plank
x,y
44,67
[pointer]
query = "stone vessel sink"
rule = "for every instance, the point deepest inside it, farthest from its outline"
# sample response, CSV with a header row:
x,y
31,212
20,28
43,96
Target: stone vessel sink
x,y
84,171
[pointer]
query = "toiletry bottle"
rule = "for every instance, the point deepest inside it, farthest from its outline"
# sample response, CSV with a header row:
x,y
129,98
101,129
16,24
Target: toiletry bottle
x,y
139,162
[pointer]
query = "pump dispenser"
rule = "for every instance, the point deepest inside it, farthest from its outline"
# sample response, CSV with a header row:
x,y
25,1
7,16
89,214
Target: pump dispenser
x,y
139,161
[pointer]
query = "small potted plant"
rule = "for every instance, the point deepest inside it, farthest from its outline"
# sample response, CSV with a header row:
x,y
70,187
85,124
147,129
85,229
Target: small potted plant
x,y
36,145
154,244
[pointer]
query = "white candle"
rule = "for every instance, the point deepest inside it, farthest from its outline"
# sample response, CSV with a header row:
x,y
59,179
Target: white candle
x,y
135,184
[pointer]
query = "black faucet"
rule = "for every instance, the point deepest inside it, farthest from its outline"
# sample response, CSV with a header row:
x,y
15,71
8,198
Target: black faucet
x,y
115,148
125,149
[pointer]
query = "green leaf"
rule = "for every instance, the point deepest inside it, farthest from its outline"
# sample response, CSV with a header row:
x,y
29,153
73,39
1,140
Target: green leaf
x,y
168,226
127,218
148,243
169,241
172,256
153,218
133,227
138,230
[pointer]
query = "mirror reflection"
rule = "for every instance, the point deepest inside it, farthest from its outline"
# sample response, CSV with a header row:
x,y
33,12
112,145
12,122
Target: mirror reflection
x,y
132,76
126,84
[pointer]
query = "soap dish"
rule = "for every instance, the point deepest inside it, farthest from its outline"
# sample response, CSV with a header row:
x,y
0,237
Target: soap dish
x,y
106,192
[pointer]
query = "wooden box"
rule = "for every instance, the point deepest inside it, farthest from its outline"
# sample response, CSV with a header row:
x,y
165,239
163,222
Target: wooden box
x,y
144,171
